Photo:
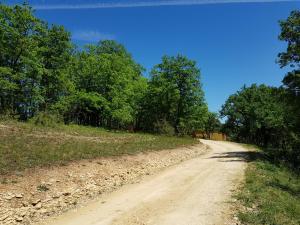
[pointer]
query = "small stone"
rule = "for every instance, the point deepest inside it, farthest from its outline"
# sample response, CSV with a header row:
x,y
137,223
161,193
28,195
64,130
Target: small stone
x,y
19,195
67,193
23,213
35,202
38,206
9,197
46,200
24,203
52,180
55,196
19,219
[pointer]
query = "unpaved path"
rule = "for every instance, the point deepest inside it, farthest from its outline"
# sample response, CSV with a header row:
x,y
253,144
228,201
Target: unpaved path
x,y
194,192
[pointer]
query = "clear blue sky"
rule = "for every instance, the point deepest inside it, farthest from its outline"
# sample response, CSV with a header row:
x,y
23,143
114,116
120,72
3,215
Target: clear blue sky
x,y
234,44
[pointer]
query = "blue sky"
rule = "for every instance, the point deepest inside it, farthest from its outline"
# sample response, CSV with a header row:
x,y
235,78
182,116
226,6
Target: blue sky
x,y
233,43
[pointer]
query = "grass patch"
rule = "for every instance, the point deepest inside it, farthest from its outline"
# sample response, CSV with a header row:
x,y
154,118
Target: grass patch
x,y
24,145
271,195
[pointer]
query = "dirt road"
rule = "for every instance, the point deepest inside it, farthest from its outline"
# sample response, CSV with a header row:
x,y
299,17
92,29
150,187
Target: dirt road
x,y
195,192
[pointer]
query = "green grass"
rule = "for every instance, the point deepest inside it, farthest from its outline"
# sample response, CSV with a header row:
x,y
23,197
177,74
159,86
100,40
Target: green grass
x,y
271,195
24,145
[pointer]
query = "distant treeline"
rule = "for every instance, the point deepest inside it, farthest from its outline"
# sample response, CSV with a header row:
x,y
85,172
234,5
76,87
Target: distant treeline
x,y
44,76
269,116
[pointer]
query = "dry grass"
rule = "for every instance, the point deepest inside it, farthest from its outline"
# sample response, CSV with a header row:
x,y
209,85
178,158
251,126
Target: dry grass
x,y
23,145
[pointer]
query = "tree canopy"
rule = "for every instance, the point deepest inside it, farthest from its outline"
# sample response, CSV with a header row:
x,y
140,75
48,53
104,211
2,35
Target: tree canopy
x,y
175,95
99,85
270,116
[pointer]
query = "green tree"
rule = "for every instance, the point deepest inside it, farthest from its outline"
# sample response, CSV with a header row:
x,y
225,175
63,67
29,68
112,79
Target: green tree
x,y
33,62
290,32
109,70
83,108
175,95
212,124
255,115
20,64
56,52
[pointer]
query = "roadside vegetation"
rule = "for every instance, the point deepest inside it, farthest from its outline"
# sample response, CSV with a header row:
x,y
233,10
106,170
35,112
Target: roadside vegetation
x,y
270,195
25,145
269,117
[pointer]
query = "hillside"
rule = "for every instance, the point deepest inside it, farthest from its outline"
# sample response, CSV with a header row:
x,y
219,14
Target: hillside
x,y
24,145
46,171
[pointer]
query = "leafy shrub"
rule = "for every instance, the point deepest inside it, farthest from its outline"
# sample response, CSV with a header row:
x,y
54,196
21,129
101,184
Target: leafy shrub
x,y
46,119
164,127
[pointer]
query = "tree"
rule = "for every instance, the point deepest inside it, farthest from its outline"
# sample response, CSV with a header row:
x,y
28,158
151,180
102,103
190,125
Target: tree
x,y
20,63
290,32
212,124
255,115
56,52
83,108
175,95
33,62
108,70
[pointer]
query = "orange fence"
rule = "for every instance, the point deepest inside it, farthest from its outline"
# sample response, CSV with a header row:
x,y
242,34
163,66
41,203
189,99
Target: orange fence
x,y
212,136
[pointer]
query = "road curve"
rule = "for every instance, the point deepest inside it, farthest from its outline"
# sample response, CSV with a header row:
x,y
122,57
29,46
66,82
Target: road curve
x,y
195,192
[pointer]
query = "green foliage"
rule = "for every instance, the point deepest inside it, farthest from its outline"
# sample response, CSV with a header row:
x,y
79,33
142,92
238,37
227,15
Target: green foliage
x,y
83,108
262,115
290,32
100,85
46,119
175,95
270,117
56,52
292,81
212,124
163,127
255,114
33,58
21,68
108,70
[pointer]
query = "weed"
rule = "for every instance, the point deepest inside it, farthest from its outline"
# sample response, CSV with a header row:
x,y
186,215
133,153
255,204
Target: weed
x,y
42,188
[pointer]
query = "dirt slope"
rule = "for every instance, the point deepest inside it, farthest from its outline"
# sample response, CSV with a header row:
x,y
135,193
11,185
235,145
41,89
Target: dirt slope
x,y
36,194
194,192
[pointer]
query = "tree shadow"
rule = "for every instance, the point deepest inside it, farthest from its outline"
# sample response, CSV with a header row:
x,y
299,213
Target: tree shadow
x,y
285,187
238,156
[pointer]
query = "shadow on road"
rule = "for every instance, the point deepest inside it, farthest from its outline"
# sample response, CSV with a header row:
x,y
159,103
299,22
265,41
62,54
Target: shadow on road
x,y
238,156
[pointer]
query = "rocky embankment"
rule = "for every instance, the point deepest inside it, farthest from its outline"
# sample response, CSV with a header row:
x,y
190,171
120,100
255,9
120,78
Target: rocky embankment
x,y
29,197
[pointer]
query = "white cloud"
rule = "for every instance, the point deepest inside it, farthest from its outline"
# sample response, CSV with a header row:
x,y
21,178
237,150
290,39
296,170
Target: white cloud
x,y
91,36
131,4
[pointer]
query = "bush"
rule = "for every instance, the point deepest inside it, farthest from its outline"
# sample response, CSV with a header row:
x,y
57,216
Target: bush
x,y
164,127
47,119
